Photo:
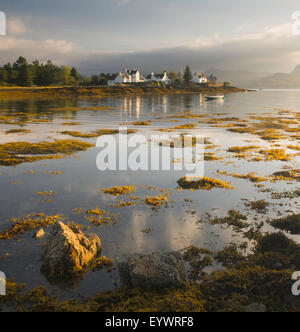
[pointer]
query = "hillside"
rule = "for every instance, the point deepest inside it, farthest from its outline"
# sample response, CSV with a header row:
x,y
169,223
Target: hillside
x,y
281,80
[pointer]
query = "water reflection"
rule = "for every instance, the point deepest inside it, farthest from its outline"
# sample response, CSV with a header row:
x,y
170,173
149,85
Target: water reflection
x,y
80,183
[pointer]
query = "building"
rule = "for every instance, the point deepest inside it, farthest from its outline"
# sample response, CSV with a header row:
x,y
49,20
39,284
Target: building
x,y
212,78
158,78
199,78
129,76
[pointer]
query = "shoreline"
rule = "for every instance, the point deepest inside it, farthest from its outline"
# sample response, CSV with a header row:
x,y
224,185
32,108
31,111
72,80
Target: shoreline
x,y
106,91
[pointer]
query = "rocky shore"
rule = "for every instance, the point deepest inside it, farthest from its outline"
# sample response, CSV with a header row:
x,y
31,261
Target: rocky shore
x,y
106,91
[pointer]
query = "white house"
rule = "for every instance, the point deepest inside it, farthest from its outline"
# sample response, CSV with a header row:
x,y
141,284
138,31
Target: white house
x,y
129,76
199,78
158,78
120,79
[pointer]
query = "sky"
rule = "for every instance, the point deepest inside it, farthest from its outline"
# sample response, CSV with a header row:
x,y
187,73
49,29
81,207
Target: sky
x,y
154,35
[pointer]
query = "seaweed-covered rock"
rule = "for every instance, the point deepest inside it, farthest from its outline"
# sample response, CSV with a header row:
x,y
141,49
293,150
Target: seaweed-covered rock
x,y
160,269
66,253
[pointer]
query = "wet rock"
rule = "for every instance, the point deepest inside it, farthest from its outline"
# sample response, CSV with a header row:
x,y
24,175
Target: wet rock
x,y
39,234
67,254
256,307
161,269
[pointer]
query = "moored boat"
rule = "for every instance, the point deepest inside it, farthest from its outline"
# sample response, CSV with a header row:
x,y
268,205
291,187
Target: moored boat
x,y
214,97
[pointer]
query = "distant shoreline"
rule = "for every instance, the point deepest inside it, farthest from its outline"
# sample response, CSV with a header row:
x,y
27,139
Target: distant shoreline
x,y
107,91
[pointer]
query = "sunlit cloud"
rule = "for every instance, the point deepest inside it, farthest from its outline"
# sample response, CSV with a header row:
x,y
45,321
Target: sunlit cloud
x,y
16,26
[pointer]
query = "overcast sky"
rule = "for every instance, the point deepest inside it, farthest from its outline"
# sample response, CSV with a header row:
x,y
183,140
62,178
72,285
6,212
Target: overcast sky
x,y
106,35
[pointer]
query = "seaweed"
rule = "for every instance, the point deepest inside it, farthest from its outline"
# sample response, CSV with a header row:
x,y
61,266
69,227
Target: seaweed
x,y
12,154
202,183
290,223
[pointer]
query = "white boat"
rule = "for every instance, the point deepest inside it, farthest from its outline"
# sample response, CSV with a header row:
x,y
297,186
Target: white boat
x,y
214,97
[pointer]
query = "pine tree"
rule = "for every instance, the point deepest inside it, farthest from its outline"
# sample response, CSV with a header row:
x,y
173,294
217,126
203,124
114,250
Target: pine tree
x,y
75,74
188,76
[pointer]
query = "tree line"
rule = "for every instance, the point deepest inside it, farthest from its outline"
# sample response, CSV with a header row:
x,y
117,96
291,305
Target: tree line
x,y
22,73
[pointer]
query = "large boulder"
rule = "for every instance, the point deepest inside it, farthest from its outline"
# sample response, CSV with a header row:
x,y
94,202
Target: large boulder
x,y
160,269
67,253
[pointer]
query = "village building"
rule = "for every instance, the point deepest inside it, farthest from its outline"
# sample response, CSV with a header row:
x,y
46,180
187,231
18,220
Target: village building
x,y
158,78
129,76
213,78
199,78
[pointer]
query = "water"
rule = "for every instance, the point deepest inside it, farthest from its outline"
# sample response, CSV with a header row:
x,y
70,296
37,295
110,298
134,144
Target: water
x,y
79,186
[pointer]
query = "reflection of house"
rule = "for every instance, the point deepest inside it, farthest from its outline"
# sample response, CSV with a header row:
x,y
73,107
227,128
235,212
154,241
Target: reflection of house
x,y
129,76
2,284
158,78
199,78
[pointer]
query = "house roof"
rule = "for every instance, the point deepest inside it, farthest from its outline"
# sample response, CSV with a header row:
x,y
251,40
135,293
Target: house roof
x,y
156,75
160,75
131,71
200,75
124,75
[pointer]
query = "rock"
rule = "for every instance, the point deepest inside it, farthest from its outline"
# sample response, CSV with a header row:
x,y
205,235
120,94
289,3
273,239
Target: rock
x,y
161,269
67,254
256,307
39,234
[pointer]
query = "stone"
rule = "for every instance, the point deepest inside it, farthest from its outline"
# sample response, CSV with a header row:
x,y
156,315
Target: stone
x,y
160,269
67,254
256,307
39,234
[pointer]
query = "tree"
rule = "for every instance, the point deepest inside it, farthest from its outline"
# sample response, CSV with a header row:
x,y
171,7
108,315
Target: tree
x,y
188,76
179,78
64,75
24,72
75,75
95,80
172,76
3,75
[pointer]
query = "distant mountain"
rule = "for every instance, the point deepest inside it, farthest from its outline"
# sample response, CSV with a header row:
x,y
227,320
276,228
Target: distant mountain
x,y
281,80
240,78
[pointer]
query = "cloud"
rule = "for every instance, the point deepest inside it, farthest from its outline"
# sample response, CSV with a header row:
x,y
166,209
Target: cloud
x,y
16,26
57,50
122,2
271,49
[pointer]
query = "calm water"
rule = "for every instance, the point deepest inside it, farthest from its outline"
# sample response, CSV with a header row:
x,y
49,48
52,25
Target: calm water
x,y
80,184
